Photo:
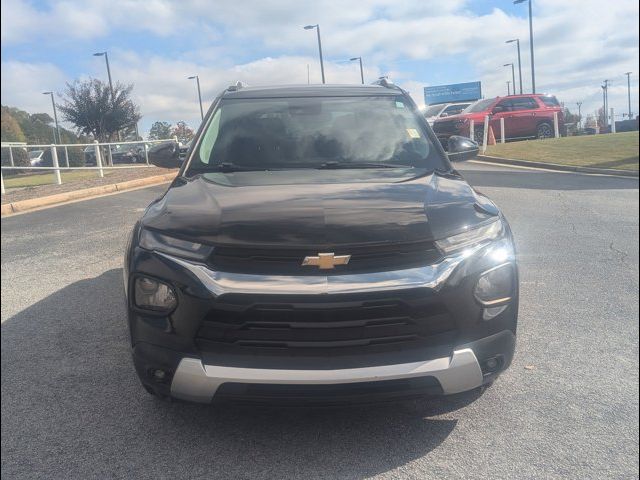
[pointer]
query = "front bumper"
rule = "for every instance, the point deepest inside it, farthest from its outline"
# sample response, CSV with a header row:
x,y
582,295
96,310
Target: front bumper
x,y
170,343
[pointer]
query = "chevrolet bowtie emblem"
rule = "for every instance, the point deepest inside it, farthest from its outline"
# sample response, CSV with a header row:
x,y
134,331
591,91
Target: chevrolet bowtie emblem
x,y
326,261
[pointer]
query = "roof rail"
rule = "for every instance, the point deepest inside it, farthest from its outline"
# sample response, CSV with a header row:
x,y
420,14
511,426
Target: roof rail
x,y
385,82
237,86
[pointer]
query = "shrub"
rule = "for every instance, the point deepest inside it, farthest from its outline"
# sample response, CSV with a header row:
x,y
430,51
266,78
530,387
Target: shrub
x,y
20,159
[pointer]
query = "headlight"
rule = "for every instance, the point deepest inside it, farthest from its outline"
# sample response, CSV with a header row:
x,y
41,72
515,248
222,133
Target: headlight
x,y
495,286
150,240
470,238
153,294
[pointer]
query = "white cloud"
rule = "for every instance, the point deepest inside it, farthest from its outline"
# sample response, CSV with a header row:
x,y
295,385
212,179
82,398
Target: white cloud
x,y
578,44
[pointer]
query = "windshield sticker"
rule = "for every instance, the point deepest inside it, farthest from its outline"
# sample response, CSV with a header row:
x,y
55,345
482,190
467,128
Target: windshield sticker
x,y
413,133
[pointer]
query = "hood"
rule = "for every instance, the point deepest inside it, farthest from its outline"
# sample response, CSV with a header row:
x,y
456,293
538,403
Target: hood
x,y
318,214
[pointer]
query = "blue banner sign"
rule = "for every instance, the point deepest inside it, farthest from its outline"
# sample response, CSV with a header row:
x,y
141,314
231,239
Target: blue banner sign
x,y
458,92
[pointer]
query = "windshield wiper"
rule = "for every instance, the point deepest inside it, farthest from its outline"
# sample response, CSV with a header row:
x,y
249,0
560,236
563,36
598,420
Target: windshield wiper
x,y
226,167
334,165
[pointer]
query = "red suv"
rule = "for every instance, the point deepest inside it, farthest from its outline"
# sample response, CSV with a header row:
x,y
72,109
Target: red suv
x,y
525,116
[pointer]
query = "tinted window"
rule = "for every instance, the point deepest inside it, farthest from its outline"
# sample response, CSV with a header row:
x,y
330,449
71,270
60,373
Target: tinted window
x,y
292,133
455,109
524,103
432,111
505,105
480,106
550,101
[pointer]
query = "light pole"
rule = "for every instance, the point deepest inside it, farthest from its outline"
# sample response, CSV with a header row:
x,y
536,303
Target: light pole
x,y
113,98
317,27
605,99
199,94
628,74
517,40
533,70
508,87
513,75
361,72
55,115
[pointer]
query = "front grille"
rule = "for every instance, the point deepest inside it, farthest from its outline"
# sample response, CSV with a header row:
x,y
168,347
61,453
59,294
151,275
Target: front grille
x,y
325,326
364,259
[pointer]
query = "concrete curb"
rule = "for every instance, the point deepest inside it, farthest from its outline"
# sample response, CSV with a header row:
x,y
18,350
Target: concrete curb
x,y
555,166
33,203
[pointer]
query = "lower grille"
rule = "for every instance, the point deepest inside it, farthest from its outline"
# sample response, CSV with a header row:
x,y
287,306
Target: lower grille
x,y
332,325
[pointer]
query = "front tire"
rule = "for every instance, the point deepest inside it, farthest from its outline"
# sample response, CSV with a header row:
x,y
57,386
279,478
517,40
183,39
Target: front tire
x,y
543,131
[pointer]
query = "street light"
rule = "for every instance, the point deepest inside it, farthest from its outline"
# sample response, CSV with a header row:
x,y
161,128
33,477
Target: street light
x,y
517,40
361,72
55,115
508,87
533,70
513,75
199,94
628,74
317,27
113,98
579,104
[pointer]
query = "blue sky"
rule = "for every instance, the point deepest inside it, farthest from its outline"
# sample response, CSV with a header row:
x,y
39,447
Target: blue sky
x,y
156,44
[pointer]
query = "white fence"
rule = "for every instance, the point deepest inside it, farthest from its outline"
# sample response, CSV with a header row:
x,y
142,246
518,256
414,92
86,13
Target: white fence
x,y
100,164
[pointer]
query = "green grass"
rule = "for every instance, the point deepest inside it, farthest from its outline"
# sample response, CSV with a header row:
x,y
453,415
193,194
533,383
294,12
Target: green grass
x,y
619,151
34,180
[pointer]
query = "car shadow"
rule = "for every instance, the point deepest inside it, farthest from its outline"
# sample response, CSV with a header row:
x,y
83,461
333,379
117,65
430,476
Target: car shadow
x,y
543,180
73,408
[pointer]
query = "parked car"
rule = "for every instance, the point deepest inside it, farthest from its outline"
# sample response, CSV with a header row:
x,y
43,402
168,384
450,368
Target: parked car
x,y
37,158
433,112
318,245
126,153
525,116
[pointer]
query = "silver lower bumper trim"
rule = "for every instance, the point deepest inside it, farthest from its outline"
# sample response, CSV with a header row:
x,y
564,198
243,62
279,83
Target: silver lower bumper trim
x,y
197,382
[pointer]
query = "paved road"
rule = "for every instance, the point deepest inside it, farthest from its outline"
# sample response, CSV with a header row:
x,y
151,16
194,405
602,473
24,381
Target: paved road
x,y
72,407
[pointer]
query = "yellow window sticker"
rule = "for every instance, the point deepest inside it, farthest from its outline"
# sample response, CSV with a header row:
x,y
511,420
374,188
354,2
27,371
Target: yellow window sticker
x,y
413,133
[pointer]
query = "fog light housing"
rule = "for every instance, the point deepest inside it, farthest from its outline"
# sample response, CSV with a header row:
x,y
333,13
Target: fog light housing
x,y
152,294
495,286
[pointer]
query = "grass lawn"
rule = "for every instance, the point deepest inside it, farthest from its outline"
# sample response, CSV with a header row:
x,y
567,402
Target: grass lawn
x,y
619,150
48,178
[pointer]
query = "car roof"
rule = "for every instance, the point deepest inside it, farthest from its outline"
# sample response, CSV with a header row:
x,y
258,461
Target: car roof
x,y
281,91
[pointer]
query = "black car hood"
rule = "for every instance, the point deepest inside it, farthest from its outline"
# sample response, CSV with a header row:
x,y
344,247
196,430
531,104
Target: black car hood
x,y
318,214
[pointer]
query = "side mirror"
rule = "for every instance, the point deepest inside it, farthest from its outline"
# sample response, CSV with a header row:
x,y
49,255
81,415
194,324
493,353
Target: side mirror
x,y
165,155
461,148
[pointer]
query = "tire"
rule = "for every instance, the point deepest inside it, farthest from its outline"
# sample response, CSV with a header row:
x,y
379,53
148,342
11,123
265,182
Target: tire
x,y
478,135
544,130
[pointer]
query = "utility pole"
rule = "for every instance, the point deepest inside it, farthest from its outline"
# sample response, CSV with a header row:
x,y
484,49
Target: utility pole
x,y
579,104
628,74
508,87
533,70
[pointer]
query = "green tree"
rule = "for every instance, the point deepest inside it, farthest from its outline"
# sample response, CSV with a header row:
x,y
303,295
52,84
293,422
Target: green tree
x,y
10,131
89,107
183,131
160,131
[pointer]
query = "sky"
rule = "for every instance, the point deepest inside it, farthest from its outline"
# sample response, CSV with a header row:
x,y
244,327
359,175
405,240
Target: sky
x,y
157,44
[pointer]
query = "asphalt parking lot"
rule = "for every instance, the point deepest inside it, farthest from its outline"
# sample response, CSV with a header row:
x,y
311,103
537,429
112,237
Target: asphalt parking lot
x,y
72,406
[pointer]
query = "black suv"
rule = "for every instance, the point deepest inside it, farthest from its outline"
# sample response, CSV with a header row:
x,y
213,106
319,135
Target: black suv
x,y
318,245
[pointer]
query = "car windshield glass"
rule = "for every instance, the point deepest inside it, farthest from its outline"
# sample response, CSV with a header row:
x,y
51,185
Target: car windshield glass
x,y
309,132
480,106
35,153
432,111
550,101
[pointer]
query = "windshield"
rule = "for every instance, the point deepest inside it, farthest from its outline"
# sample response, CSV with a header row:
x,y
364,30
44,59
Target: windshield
x,y
35,153
315,133
480,106
432,111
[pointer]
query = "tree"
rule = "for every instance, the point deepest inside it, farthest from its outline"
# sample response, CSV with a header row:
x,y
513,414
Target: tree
x,y
10,128
183,132
160,131
88,105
